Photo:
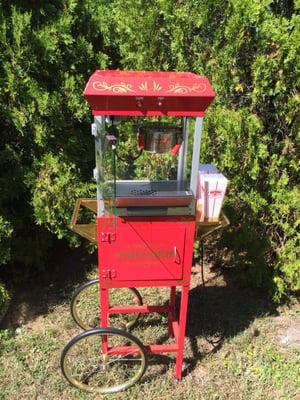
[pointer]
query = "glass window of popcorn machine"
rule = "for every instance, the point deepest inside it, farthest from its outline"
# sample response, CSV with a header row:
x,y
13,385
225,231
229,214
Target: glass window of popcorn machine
x,y
140,166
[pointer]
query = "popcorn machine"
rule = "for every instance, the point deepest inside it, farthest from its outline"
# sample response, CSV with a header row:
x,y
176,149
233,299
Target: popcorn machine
x,y
145,228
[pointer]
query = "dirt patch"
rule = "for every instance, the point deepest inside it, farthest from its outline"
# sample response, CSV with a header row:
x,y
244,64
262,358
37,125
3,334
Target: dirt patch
x,y
37,324
211,276
25,306
288,328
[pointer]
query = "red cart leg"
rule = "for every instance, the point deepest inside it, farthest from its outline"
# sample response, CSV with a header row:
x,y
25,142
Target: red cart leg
x,y
172,310
104,316
181,331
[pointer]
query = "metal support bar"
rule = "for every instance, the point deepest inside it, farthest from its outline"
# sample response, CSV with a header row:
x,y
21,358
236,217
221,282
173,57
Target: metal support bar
x,y
175,329
150,349
104,317
97,126
196,154
181,170
138,309
171,310
181,330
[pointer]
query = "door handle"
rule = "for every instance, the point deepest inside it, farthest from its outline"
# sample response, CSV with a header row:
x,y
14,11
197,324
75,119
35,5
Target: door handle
x,y
176,256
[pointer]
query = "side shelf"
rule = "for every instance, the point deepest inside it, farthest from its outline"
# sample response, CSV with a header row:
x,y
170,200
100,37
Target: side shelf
x,y
88,231
204,229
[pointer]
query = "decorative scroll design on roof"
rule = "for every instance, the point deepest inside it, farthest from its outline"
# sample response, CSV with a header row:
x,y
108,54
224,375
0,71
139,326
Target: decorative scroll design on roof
x,y
183,89
121,87
157,87
124,87
145,88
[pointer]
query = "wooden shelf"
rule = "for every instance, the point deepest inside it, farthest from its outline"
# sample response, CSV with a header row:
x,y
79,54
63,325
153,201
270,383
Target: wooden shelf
x,y
205,228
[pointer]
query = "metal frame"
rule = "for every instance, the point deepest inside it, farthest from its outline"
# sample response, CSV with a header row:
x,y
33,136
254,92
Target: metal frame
x,y
196,154
98,125
181,169
176,325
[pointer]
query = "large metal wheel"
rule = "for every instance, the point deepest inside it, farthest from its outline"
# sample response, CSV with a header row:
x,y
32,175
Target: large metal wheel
x,y
103,360
85,308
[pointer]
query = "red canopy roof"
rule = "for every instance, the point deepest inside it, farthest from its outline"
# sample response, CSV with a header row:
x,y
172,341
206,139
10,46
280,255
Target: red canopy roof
x,y
148,93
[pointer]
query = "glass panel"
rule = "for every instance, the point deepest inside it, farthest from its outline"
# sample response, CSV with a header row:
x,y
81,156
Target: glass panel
x,y
129,175
105,145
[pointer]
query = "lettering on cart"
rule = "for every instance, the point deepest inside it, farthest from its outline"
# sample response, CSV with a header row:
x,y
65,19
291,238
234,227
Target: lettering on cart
x,y
146,254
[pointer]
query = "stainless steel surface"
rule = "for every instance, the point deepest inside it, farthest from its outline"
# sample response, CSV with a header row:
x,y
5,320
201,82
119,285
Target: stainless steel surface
x,y
196,154
99,124
181,168
152,193
151,188
153,211
159,138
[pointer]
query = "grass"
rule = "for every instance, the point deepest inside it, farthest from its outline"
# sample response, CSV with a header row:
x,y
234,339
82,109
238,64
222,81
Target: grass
x,y
233,350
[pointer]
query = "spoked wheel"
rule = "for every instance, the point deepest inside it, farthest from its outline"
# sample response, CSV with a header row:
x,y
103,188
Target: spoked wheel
x,y
103,360
85,306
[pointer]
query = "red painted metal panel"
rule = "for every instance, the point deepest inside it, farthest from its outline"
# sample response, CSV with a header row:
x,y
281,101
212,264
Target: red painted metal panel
x,y
148,93
150,113
143,250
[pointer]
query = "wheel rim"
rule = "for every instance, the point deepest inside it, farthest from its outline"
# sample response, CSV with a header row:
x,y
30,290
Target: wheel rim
x,y
85,306
87,367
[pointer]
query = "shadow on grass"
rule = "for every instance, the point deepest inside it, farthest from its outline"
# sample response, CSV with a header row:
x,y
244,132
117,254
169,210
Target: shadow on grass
x,y
216,313
66,269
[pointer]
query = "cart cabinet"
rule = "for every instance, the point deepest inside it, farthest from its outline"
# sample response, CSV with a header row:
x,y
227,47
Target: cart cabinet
x,y
145,249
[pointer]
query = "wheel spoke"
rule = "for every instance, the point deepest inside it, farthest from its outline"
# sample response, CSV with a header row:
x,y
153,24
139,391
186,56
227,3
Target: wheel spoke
x,y
120,358
86,376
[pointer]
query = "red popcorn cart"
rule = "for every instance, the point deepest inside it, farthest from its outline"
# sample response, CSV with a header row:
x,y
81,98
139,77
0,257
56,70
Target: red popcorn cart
x,y
145,229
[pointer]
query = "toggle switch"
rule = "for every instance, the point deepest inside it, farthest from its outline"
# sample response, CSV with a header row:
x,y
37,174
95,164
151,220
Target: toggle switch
x,y
139,102
160,101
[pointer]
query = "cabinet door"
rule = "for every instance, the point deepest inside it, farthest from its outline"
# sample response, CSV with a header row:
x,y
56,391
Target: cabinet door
x,y
144,251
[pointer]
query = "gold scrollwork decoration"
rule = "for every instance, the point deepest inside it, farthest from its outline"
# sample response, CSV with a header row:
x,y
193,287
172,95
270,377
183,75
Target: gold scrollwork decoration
x,y
121,87
144,86
183,89
156,87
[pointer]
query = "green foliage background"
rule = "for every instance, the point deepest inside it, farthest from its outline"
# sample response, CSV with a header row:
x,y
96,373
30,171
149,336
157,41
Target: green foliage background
x,y
249,50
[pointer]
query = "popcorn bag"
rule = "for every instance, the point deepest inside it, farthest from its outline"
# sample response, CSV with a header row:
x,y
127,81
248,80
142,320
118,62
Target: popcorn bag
x,y
211,190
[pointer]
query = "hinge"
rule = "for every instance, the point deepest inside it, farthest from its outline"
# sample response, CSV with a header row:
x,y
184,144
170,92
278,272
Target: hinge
x,y
108,237
108,273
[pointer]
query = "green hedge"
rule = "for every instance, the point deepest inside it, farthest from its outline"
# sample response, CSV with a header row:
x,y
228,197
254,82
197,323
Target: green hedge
x,y
4,300
249,50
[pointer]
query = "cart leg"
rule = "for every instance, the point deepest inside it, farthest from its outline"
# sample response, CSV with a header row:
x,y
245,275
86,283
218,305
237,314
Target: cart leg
x,y
104,316
181,331
172,310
